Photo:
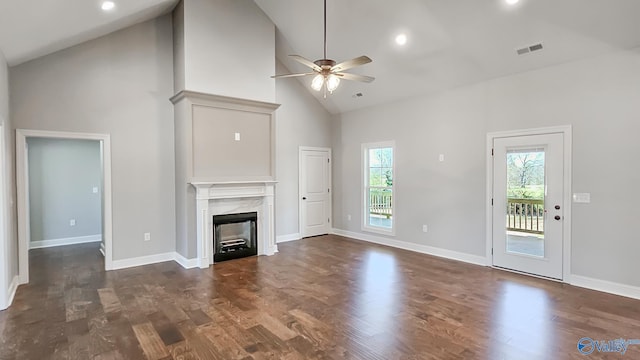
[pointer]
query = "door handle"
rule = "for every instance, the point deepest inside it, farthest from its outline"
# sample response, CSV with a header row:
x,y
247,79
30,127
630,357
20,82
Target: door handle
x,y
304,198
557,217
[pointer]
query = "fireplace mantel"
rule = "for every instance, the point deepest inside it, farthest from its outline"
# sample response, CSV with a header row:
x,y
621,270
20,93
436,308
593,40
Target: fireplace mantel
x,y
231,189
227,197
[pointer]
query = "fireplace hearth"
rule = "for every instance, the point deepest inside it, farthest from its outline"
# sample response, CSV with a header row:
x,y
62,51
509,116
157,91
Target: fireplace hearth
x,y
235,236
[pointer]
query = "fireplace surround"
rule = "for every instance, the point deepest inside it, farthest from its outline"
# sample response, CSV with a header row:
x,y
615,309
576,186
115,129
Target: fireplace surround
x,y
233,197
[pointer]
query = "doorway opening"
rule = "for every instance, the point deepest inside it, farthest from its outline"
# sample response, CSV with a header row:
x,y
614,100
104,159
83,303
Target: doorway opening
x,y
98,188
529,201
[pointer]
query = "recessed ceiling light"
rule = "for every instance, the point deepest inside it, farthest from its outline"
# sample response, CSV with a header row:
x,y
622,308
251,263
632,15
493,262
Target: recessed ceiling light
x,y
401,39
511,2
108,5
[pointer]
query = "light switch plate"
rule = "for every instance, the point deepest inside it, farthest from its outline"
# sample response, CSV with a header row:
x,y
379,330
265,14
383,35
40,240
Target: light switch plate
x,y
584,198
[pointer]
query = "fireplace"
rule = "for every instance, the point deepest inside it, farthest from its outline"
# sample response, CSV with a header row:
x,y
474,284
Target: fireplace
x,y
235,236
234,197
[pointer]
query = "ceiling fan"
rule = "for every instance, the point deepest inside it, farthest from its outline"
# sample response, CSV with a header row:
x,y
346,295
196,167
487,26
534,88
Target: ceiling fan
x,y
327,73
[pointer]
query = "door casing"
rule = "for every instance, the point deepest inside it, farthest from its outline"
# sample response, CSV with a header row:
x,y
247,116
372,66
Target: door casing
x,y
22,192
566,130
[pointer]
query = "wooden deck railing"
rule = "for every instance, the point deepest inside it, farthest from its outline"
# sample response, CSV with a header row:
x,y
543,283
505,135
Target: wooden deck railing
x,y
380,203
525,215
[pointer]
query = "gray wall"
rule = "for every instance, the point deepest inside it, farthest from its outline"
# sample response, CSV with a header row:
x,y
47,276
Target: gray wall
x,y
120,85
216,153
228,49
300,121
599,97
177,19
62,175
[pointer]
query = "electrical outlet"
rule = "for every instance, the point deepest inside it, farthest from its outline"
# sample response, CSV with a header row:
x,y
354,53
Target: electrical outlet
x,y
237,137
424,228
72,222
349,217
147,236
95,189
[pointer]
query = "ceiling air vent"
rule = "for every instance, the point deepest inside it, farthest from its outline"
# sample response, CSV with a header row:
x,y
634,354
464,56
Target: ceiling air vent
x,y
529,49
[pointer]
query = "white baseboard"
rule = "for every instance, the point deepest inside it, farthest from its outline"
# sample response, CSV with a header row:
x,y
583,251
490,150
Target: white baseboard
x,y
143,260
158,258
65,241
102,249
184,262
287,238
605,286
424,249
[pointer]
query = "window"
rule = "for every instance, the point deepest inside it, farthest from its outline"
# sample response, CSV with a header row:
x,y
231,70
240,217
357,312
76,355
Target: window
x,y
378,187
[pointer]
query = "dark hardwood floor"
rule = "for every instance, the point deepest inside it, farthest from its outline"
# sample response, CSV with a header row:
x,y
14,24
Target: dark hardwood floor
x,y
320,298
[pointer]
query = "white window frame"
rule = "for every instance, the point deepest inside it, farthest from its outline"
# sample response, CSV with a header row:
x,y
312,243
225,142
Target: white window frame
x,y
365,226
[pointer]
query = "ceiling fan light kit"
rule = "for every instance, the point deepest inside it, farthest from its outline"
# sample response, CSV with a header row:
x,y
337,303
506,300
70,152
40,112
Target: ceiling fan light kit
x,y
327,73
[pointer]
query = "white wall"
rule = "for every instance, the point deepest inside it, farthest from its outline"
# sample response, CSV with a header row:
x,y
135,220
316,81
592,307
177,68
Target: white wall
x,y
119,84
300,121
62,175
229,49
599,97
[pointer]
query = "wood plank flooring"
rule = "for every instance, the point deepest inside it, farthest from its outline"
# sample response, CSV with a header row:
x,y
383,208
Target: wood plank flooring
x,y
320,298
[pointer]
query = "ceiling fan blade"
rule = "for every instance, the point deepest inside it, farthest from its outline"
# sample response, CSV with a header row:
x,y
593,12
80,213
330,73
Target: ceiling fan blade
x,y
306,62
291,75
361,60
355,77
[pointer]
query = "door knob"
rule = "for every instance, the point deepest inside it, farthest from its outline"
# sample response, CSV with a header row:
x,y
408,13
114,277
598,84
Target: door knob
x,y
557,217
557,207
304,198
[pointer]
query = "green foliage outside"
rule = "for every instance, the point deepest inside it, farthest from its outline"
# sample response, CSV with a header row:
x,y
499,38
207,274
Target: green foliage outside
x,y
381,167
529,192
525,175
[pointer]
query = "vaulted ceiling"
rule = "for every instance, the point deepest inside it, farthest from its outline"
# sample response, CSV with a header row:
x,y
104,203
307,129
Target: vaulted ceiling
x,y
450,42
30,29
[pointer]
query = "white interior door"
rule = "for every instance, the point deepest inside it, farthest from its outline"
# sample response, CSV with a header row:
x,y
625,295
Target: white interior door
x,y
315,191
528,204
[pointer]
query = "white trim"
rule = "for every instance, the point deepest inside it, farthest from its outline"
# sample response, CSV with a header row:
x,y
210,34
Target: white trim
x,y
329,184
65,241
424,249
11,293
364,198
605,286
184,262
566,130
13,287
143,260
287,238
4,233
22,193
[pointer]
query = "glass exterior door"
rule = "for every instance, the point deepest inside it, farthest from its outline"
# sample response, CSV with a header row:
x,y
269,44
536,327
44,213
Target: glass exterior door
x,y
527,198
